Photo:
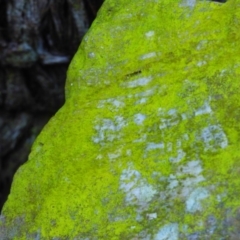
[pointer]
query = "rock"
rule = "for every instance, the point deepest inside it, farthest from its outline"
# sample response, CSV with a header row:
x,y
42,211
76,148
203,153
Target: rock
x,y
47,85
147,143
2,87
21,56
18,95
12,129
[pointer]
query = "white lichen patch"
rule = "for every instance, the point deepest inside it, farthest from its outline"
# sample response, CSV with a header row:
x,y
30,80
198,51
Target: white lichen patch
x,y
201,44
114,155
213,138
108,129
142,101
147,93
136,188
143,96
193,203
205,109
139,118
189,183
188,3
168,119
173,182
169,148
153,146
185,180
115,102
151,216
149,34
99,157
139,82
180,155
192,168
201,63
91,55
129,152
168,232
148,55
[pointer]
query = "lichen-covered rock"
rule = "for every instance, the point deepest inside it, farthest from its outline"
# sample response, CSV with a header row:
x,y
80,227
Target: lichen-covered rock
x,y
147,144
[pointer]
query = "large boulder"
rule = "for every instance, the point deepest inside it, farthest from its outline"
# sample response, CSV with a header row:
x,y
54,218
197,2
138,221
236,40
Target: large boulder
x,y
147,143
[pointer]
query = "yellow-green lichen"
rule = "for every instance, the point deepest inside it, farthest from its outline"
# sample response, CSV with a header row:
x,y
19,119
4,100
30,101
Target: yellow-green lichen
x,y
147,141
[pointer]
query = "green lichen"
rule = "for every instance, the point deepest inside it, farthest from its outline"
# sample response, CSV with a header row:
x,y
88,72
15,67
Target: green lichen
x,y
147,140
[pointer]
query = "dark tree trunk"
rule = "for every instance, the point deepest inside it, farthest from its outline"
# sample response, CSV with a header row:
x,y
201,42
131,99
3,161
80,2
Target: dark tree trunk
x,y
37,41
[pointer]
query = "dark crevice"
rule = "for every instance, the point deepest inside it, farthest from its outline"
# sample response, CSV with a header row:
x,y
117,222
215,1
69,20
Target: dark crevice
x,y
220,1
92,7
133,74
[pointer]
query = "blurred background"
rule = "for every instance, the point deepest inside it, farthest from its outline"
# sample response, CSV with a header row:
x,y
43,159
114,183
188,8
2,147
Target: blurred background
x,y
38,39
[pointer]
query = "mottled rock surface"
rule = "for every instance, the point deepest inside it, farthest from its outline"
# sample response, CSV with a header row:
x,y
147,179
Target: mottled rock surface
x,y
147,143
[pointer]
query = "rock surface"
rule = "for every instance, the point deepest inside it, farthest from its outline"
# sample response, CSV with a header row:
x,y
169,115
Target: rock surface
x,y
147,143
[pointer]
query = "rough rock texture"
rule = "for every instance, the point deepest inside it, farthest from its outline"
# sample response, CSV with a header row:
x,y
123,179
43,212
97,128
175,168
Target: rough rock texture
x,y
147,143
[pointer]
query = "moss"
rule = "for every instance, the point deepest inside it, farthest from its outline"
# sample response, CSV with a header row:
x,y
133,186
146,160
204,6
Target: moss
x,y
147,141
